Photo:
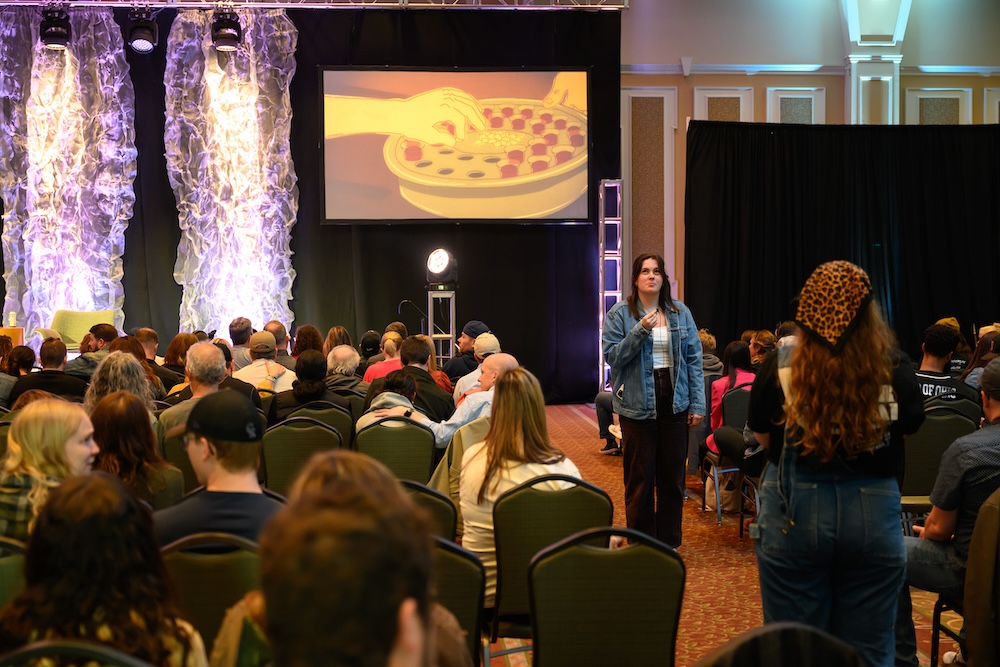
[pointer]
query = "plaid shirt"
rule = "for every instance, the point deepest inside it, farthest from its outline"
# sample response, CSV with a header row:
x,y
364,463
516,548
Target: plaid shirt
x,y
15,508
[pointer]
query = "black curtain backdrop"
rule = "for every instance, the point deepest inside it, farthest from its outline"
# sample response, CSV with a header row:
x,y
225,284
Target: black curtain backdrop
x,y
534,285
916,207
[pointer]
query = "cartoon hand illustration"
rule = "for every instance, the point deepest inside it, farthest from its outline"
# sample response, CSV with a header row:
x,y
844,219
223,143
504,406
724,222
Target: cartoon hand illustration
x,y
568,89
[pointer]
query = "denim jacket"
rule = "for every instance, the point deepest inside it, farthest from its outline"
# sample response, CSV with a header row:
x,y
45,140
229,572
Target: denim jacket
x,y
628,348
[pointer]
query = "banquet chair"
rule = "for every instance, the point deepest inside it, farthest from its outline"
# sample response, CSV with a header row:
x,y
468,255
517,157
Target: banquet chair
x,y
11,569
71,326
175,453
406,448
330,414
210,583
643,583
41,652
438,506
527,519
461,584
735,408
287,447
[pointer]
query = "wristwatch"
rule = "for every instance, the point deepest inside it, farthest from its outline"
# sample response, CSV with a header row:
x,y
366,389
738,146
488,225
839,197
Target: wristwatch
x,y
408,414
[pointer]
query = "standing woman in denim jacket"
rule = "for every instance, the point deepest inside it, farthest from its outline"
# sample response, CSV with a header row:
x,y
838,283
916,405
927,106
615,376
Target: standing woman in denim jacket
x,y
651,343
832,412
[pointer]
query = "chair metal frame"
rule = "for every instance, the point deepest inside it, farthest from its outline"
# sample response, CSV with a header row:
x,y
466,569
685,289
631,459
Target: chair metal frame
x,y
438,505
308,410
452,551
92,651
584,542
516,622
714,464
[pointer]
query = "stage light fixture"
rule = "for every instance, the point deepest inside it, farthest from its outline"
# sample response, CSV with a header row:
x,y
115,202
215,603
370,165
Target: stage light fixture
x,y
142,31
54,30
442,269
227,33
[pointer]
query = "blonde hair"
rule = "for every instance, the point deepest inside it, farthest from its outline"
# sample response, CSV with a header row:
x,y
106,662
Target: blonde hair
x,y
390,344
36,446
325,468
518,430
836,396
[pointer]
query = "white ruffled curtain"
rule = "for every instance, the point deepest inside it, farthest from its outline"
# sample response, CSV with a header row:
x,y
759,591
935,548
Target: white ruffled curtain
x,y
229,162
67,164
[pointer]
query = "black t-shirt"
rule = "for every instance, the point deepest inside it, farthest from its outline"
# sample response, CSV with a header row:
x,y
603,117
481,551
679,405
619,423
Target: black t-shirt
x,y
767,402
242,514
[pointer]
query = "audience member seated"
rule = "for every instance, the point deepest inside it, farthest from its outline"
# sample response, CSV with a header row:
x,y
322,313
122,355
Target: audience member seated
x,y
206,369
117,371
476,405
307,337
128,450
368,348
699,433
132,346
736,370
986,350
396,327
378,549
223,437
341,378
29,397
93,572
6,345
182,392
277,329
761,344
391,342
960,358
150,342
20,361
48,441
516,450
485,345
264,372
465,362
176,356
785,333
431,399
968,475
52,378
6,381
309,385
394,398
337,335
84,366
440,377
932,376
240,331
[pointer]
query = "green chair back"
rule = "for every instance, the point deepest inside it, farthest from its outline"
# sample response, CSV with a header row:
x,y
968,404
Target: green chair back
x,y
438,505
529,518
736,406
406,447
331,415
76,651
288,445
357,406
176,455
643,583
167,486
461,585
11,569
210,583
924,448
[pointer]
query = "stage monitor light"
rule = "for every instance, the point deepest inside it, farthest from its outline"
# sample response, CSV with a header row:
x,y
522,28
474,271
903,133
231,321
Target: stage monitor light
x,y
442,269
143,32
227,33
54,31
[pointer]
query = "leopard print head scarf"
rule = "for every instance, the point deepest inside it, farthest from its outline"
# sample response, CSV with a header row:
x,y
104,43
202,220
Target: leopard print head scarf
x,y
831,300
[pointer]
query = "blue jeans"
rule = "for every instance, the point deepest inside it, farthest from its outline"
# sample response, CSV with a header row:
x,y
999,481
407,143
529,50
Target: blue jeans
x,y
930,566
830,553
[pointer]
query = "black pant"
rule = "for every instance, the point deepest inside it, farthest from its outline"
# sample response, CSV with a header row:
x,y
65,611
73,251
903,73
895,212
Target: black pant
x,y
654,452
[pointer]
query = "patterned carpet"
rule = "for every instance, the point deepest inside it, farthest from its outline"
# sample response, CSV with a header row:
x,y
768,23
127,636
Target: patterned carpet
x,y
722,593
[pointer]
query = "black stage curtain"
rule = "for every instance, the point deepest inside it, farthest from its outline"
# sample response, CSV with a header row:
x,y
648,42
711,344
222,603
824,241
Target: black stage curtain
x,y
535,285
916,207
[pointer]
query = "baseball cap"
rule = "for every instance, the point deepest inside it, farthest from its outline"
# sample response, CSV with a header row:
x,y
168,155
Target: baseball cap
x,y
473,329
226,415
950,322
990,379
262,342
486,344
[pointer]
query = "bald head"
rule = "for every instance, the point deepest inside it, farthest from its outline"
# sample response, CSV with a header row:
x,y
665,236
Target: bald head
x,y
277,329
494,366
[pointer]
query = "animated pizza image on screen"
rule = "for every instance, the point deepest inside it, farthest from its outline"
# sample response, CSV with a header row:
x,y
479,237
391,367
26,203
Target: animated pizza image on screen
x,y
531,161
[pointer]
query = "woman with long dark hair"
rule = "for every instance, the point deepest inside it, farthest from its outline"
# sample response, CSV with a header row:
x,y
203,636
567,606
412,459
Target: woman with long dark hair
x,y
128,450
986,351
93,571
736,370
658,389
307,337
309,385
516,449
832,412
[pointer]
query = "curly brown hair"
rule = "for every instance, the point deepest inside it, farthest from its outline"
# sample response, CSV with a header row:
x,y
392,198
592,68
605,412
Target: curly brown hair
x,y
307,337
93,571
836,396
